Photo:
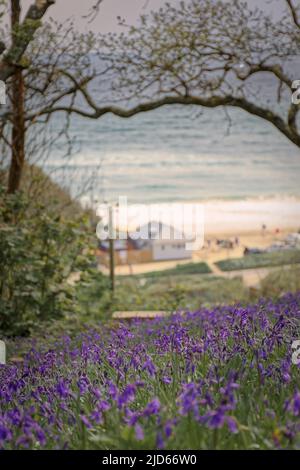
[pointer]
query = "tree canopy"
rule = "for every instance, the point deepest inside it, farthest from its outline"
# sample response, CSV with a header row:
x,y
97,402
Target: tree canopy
x,y
203,53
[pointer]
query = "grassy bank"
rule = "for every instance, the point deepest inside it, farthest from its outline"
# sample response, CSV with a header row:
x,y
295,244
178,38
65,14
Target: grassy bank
x,y
262,260
180,291
180,269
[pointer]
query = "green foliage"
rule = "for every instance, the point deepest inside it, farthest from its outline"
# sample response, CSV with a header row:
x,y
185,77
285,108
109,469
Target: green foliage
x,y
286,279
188,268
38,252
186,292
93,294
193,291
260,260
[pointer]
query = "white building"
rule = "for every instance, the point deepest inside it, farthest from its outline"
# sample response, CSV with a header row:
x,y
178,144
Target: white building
x,y
165,242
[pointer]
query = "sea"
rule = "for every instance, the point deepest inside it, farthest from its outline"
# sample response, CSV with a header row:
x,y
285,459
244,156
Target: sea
x,y
244,171
177,153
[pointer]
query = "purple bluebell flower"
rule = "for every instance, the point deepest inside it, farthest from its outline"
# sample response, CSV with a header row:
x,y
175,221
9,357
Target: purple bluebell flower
x,y
127,395
83,385
159,441
152,408
139,432
113,390
166,380
63,389
232,424
86,421
293,405
5,433
149,367
216,360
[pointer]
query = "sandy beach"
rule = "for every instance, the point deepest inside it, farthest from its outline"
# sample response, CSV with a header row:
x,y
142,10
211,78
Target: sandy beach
x,y
230,219
247,216
212,254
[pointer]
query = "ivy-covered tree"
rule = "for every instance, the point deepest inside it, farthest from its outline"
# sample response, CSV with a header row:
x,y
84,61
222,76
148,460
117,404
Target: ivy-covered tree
x,y
56,66
11,52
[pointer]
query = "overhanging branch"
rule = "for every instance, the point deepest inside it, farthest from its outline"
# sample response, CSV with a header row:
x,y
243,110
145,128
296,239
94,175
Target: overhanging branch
x,y
97,112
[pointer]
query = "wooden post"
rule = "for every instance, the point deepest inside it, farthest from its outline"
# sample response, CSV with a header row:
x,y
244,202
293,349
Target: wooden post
x,y
111,250
2,353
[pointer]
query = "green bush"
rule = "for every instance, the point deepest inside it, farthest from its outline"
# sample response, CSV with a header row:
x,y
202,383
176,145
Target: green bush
x,y
187,292
180,269
38,252
260,260
276,283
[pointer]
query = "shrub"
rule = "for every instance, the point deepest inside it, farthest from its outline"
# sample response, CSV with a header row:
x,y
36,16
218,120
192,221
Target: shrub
x,y
286,279
38,252
260,260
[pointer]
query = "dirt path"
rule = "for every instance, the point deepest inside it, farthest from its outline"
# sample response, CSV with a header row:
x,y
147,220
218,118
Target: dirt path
x,y
252,277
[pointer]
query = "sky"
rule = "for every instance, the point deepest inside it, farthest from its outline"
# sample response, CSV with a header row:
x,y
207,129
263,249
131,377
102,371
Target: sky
x,y
130,10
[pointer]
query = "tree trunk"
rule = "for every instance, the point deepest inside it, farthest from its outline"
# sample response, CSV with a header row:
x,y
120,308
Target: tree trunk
x,y
18,115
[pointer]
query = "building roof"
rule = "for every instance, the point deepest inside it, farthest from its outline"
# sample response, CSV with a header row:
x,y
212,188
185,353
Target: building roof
x,y
154,232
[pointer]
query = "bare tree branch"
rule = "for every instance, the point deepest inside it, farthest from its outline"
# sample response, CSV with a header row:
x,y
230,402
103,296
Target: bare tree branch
x,y
211,54
212,102
93,11
295,12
